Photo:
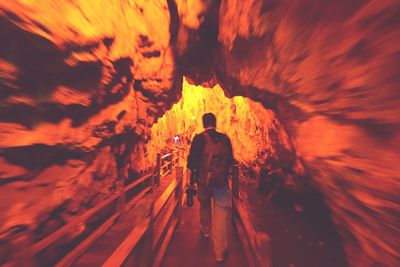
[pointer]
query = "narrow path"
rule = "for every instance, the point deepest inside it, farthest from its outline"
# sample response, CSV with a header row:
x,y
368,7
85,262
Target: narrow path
x,y
189,248
300,227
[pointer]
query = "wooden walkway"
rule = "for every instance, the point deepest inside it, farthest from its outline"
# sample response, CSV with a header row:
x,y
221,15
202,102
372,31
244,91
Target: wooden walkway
x,y
120,231
144,225
189,248
186,248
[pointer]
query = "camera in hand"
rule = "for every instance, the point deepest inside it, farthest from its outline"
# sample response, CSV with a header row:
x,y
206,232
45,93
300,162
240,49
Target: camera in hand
x,y
190,193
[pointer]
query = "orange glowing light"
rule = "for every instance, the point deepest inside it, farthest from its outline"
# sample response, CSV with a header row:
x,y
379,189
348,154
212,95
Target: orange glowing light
x,y
246,122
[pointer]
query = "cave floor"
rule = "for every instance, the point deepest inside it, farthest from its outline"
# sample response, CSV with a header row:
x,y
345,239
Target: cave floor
x,y
189,248
299,225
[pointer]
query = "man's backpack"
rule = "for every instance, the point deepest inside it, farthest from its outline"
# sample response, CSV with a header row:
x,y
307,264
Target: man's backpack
x,y
214,162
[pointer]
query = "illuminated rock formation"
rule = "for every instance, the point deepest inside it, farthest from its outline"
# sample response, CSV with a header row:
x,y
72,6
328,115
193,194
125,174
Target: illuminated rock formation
x,y
330,72
82,82
251,128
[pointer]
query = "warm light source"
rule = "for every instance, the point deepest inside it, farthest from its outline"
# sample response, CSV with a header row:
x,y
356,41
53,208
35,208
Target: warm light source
x,y
246,122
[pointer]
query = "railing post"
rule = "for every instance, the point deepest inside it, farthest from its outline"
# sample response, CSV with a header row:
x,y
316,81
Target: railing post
x,y
22,252
153,174
158,170
147,250
121,199
179,190
235,182
171,161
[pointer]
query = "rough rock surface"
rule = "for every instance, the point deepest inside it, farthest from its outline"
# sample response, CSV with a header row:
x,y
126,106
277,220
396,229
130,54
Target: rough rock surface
x,y
82,81
253,130
329,69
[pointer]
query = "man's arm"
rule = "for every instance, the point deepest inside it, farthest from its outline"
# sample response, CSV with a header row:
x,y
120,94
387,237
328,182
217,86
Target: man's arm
x,y
231,159
194,153
194,157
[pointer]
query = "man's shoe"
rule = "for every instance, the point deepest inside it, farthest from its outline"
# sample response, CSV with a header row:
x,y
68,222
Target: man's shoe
x,y
205,234
222,258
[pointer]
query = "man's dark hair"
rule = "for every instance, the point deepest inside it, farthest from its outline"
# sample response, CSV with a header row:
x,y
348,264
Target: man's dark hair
x,y
209,120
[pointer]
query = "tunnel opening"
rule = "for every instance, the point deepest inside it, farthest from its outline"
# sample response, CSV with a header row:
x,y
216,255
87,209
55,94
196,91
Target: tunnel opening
x,y
255,131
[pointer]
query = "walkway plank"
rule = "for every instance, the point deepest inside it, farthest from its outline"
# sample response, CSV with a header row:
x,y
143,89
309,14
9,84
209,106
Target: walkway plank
x,y
189,248
105,246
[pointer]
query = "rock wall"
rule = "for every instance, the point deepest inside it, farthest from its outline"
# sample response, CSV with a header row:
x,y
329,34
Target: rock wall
x,y
329,69
80,84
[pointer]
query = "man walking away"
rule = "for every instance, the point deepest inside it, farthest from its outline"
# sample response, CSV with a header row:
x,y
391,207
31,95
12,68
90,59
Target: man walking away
x,y
211,159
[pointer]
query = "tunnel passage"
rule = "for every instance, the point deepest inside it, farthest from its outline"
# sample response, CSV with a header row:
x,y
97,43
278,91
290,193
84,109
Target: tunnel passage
x,y
280,199
80,89
253,129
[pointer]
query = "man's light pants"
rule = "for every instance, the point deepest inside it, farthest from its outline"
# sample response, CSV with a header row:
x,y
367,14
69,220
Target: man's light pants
x,y
219,226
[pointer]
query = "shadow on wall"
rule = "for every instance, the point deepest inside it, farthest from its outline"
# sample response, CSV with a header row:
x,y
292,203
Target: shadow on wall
x,y
49,89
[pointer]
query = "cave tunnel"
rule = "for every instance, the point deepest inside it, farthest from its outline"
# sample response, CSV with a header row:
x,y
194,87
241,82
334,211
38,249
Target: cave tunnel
x,y
100,101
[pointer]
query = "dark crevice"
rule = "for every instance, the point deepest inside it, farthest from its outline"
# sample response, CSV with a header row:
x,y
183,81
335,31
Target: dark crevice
x,y
152,54
174,21
42,69
197,62
379,130
23,155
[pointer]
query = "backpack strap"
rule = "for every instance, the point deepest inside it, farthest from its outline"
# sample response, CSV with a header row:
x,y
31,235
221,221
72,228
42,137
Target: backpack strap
x,y
207,137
